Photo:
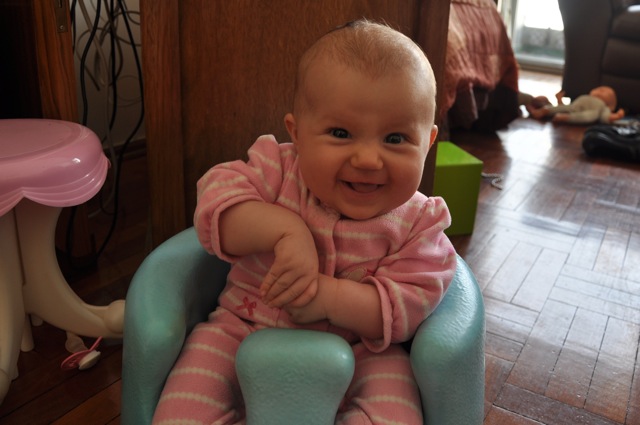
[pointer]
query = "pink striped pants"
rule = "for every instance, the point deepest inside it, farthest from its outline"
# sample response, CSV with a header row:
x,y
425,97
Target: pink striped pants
x,y
202,387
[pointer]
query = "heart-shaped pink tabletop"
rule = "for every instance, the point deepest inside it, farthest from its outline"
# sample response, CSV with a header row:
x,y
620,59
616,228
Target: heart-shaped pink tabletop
x,y
52,162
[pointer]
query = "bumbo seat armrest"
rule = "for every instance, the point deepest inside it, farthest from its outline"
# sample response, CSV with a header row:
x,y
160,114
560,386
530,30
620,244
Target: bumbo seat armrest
x,y
447,355
175,288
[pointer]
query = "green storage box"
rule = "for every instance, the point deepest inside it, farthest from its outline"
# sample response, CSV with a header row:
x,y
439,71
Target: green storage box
x,y
457,180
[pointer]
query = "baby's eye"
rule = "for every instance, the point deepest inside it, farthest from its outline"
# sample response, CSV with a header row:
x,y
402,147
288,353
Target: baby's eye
x,y
339,133
394,139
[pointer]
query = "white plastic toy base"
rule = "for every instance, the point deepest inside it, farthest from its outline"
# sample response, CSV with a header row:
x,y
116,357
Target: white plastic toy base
x,y
31,283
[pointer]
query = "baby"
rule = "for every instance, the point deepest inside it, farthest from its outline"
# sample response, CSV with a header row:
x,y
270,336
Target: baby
x,y
598,106
327,232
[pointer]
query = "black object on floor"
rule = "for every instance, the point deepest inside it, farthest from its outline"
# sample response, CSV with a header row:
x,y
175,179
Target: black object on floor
x,y
612,141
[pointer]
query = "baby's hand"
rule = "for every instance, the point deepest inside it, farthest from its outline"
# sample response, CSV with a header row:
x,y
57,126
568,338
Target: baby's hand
x,y
559,97
344,303
616,115
293,277
318,308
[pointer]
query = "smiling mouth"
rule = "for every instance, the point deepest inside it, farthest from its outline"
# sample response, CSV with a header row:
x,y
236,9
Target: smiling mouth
x,y
363,187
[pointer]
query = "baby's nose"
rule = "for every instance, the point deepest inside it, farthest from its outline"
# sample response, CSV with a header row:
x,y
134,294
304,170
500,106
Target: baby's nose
x,y
367,157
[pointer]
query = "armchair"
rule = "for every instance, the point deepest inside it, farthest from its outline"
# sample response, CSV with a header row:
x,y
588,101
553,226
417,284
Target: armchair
x,y
177,286
602,47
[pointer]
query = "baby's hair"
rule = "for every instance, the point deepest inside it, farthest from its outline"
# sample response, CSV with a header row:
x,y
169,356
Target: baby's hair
x,y
368,47
607,95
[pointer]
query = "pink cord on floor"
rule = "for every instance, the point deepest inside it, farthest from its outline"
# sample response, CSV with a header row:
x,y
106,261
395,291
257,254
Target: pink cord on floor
x,y
74,360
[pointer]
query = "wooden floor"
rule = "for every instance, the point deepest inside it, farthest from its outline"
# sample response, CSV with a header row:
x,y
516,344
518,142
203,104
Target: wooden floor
x,y
556,252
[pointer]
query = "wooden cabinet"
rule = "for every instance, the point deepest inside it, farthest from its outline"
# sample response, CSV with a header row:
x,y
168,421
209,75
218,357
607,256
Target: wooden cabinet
x,y
220,73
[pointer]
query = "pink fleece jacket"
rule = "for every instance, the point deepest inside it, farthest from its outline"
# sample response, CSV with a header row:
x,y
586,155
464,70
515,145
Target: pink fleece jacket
x,y
404,252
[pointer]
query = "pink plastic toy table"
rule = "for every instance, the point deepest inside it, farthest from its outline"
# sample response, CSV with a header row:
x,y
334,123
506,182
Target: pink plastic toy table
x,y
44,165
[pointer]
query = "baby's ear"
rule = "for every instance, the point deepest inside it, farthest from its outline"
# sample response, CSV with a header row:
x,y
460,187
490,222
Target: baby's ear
x,y
433,135
292,129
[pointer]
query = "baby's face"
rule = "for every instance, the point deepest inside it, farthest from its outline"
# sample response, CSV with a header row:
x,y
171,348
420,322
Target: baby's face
x,y
362,141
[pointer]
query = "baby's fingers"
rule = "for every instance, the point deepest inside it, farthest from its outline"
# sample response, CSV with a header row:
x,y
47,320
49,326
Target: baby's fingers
x,y
306,297
284,297
275,284
284,291
267,283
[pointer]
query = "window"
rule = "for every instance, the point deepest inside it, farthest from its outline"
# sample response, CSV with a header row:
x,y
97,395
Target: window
x,y
536,31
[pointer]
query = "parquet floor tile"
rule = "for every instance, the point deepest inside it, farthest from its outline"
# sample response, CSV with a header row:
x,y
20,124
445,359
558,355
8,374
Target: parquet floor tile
x,y
557,256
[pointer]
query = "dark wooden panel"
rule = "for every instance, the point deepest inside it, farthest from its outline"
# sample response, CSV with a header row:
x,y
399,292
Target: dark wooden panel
x,y
56,75
160,33
218,74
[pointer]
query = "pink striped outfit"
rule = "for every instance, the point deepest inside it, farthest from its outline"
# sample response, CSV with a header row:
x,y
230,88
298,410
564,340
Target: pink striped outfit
x,y
404,253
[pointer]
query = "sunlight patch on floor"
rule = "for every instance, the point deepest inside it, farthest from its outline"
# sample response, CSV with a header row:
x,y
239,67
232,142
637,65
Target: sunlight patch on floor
x,y
530,144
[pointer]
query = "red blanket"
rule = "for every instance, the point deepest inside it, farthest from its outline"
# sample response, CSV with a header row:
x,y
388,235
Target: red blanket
x,y
481,73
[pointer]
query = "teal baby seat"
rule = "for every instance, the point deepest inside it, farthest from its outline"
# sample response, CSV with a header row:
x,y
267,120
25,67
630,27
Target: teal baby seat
x,y
290,376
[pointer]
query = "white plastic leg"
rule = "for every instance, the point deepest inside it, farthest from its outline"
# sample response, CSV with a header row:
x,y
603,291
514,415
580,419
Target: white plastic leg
x,y
12,314
46,292
27,336
35,320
